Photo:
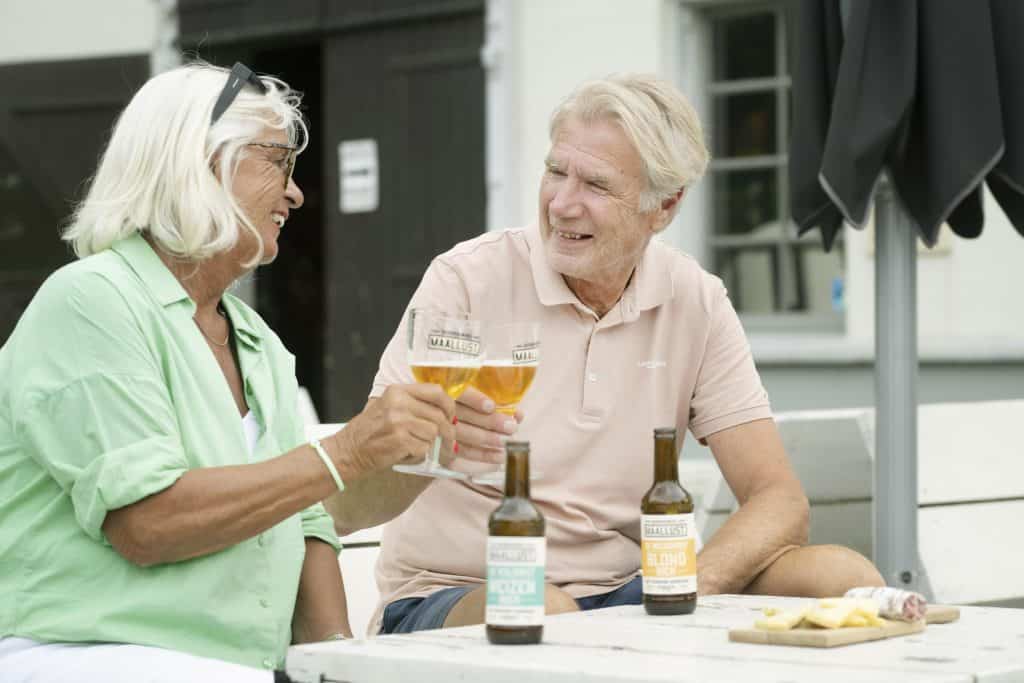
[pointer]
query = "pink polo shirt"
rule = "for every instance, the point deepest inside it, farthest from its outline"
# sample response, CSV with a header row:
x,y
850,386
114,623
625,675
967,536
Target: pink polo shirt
x,y
670,353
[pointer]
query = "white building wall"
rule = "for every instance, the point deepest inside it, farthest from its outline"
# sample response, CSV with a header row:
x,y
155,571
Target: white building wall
x,y
553,46
45,30
969,305
969,290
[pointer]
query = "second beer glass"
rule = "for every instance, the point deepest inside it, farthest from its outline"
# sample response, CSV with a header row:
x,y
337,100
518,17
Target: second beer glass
x,y
513,355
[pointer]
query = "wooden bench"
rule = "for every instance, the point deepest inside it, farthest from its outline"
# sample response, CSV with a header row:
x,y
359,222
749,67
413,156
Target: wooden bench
x,y
358,559
970,491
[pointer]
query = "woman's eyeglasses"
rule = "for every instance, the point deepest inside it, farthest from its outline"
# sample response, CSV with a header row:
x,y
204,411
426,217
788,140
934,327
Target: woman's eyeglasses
x,y
287,164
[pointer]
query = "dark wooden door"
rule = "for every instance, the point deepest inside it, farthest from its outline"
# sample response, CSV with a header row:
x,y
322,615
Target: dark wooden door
x,y
55,119
413,83
206,23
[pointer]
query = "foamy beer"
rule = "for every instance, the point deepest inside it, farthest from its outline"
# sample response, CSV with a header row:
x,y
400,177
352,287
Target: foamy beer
x,y
505,383
451,376
513,354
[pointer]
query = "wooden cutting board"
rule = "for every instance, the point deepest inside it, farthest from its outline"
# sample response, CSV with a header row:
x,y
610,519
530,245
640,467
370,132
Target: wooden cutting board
x,y
821,637
941,614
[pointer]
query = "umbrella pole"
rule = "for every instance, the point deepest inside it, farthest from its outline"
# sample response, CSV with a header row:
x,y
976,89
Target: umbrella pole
x,y
895,465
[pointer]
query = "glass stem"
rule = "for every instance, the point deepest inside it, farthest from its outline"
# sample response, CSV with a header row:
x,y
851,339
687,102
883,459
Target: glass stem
x,y
435,456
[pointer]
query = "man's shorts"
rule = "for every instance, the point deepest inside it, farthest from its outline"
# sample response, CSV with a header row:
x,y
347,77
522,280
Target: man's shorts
x,y
422,614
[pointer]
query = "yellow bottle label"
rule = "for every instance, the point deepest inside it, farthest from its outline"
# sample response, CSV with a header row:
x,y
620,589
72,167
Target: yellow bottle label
x,y
668,554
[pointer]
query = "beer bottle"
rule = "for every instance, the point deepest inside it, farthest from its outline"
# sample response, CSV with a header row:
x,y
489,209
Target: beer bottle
x,y
515,558
668,535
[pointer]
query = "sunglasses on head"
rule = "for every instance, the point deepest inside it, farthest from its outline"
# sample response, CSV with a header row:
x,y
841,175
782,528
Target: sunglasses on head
x,y
240,76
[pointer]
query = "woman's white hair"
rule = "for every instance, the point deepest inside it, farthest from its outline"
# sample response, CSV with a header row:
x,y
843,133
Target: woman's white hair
x,y
157,173
657,119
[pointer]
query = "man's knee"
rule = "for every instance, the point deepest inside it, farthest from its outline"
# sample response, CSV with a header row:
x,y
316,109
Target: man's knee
x,y
557,601
471,607
846,568
816,571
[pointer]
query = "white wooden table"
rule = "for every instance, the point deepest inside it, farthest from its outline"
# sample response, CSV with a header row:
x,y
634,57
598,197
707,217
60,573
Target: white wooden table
x,y
624,644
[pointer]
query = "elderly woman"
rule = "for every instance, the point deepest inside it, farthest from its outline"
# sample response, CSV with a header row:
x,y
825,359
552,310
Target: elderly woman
x,y
162,516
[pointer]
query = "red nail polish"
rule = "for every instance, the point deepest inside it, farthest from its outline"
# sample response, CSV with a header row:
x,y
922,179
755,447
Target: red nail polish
x,y
455,420
455,447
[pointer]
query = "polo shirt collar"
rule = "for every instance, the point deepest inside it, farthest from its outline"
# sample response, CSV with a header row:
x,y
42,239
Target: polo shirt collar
x,y
651,285
551,287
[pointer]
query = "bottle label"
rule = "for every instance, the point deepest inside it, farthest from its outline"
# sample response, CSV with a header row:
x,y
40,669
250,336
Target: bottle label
x,y
668,550
515,580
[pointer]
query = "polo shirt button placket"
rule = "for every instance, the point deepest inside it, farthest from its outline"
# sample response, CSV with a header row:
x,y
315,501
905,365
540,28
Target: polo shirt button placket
x,y
591,396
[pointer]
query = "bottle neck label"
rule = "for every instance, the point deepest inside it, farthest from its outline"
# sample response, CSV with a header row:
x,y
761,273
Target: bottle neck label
x,y
515,580
668,550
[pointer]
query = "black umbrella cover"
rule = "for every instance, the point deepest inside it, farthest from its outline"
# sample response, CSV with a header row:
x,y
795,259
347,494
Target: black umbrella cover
x,y
928,88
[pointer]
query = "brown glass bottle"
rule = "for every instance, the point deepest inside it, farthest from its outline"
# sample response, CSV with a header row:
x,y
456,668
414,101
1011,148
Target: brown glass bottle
x,y
668,535
516,554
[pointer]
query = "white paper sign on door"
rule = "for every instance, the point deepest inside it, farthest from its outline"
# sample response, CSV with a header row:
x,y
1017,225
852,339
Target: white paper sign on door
x,y
358,175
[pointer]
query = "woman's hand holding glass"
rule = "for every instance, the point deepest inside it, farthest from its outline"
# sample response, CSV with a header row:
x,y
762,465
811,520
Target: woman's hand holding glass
x,y
445,350
402,424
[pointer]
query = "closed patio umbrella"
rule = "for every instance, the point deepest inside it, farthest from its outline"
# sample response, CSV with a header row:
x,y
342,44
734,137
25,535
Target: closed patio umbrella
x,y
928,96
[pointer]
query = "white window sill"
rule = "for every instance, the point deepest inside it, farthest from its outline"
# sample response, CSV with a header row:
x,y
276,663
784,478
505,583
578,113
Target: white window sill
x,y
817,349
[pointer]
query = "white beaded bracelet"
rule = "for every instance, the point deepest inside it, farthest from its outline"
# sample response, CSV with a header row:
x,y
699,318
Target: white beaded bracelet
x,y
328,463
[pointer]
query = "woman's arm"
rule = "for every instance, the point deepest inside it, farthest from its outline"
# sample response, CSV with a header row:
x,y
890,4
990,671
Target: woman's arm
x,y
209,509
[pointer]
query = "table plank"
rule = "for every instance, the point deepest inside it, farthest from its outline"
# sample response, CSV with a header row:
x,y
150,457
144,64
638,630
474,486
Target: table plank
x,y
623,644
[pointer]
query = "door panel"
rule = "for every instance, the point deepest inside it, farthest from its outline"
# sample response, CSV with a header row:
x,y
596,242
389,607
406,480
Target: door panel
x,y
417,88
218,22
55,119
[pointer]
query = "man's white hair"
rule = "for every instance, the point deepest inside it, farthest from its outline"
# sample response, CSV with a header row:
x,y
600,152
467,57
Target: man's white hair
x,y
157,173
657,119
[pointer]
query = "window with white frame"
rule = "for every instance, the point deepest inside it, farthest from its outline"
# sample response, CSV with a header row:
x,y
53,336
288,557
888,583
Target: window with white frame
x,y
775,279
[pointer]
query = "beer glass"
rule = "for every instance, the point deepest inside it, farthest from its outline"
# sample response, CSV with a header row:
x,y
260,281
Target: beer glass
x,y
513,354
446,350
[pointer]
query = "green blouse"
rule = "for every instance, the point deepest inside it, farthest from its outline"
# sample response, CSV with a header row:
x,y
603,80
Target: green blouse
x,y
108,394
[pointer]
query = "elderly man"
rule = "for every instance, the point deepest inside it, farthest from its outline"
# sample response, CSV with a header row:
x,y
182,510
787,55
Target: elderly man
x,y
635,335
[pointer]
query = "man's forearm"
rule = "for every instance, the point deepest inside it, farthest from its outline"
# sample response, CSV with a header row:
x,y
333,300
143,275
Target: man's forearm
x,y
772,521
373,500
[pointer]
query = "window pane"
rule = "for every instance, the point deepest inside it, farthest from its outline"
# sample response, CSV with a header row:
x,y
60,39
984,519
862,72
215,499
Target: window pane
x,y
823,280
748,276
787,278
746,202
744,47
745,125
